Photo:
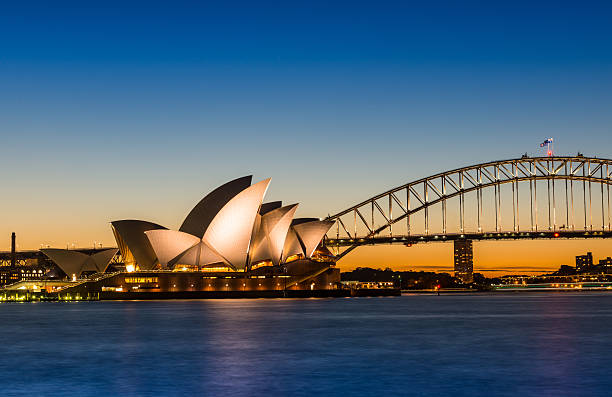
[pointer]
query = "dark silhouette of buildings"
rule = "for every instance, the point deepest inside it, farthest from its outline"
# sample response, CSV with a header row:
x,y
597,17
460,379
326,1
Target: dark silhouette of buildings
x,y
583,261
606,262
586,265
13,253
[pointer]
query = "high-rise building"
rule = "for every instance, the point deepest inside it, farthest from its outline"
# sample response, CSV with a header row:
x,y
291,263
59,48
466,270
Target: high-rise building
x,y
464,260
583,261
13,251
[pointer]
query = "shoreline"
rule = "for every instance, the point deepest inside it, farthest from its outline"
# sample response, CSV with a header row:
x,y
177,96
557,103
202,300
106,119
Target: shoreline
x,y
503,291
180,295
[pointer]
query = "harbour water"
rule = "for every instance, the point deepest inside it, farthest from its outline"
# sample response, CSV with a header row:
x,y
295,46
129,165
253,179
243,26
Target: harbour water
x,y
539,344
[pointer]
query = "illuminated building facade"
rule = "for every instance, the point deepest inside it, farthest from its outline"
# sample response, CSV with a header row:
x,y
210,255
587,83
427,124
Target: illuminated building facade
x,y
10,275
299,275
464,260
583,261
231,229
231,241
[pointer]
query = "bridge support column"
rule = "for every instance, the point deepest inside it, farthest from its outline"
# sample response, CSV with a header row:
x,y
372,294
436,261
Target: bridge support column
x,y
464,260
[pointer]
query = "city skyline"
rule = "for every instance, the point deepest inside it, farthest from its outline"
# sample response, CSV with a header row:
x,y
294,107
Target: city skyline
x,y
109,111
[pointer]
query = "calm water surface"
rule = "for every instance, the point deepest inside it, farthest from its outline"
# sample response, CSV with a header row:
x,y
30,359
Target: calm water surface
x,y
463,345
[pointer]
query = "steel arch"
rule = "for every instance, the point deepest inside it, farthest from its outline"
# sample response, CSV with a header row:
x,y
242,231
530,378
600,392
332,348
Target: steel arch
x,y
476,178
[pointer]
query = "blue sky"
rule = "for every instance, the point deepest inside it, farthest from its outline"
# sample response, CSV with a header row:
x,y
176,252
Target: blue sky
x,y
136,109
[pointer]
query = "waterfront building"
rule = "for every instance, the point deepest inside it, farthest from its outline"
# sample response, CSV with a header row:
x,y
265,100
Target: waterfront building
x,y
369,284
231,244
606,263
13,274
229,229
74,263
583,261
464,260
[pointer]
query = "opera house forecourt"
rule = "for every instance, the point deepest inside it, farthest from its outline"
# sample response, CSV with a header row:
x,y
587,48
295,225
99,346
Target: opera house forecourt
x,y
231,244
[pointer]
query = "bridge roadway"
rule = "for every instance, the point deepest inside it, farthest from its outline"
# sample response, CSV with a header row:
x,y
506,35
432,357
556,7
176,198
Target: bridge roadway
x,y
429,238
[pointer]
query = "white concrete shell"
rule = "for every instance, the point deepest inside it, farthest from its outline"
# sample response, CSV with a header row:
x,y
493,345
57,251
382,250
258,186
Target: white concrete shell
x,y
199,255
292,245
70,262
205,211
311,233
267,207
168,244
229,233
230,225
75,263
258,249
102,259
134,244
271,235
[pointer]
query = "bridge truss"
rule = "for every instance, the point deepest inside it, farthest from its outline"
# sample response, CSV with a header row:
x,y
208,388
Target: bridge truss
x,y
529,197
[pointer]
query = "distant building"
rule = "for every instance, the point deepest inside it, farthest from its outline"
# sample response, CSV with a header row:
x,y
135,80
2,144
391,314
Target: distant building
x,y
606,263
11,275
464,260
369,284
584,261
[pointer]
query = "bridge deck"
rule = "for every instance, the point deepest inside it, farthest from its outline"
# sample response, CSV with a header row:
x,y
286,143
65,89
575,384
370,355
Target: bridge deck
x,y
429,238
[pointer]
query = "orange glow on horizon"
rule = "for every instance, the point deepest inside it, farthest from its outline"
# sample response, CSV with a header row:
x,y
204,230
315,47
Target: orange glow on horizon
x,y
492,258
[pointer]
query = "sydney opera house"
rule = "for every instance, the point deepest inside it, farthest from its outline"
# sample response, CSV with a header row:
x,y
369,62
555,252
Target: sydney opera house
x,y
231,241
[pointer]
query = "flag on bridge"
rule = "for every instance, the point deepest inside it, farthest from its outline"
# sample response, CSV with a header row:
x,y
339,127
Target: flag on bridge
x,y
546,142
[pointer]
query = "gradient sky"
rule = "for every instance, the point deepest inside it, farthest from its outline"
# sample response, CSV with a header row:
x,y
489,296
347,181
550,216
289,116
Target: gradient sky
x,y
117,110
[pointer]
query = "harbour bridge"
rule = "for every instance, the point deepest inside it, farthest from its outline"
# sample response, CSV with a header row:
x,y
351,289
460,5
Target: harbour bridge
x,y
524,198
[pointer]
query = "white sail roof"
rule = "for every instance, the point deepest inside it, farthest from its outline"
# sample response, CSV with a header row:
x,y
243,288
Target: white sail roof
x,y
311,233
267,207
130,236
230,225
205,211
271,235
75,262
168,244
199,255
258,249
102,259
230,231
292,245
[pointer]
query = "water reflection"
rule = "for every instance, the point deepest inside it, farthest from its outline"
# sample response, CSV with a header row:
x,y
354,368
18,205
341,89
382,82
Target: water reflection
x,y
540,344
